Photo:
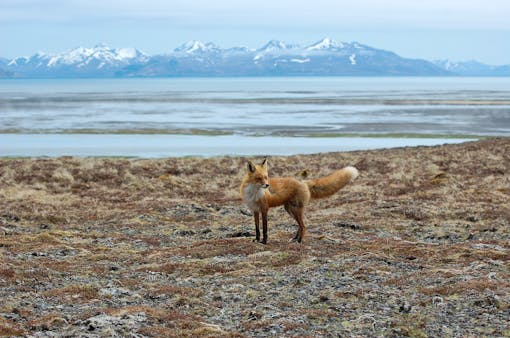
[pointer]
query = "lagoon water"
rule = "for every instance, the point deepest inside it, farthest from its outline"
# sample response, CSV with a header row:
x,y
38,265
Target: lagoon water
x,y
245,116
158,146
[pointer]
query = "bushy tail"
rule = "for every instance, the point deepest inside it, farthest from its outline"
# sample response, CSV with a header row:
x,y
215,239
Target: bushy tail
x,y
328,185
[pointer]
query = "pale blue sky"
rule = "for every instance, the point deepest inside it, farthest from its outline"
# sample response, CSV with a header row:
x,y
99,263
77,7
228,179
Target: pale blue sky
x,y
430,29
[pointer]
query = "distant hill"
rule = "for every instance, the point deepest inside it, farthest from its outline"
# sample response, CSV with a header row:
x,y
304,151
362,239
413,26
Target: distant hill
x,y
3,72
326,57
473,68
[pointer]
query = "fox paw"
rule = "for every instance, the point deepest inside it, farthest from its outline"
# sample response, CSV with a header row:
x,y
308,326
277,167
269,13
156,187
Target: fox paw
x,y
257,240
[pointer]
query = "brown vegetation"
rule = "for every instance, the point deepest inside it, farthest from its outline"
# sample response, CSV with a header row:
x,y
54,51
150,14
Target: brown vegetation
x,y
418,245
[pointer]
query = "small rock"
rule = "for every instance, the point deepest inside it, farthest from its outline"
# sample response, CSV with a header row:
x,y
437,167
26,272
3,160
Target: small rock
x,y
405,307
115,292
353,226
240,234
246,212
184,232
489,301
38,254
323,298
253,315
12,218
472,219
5,231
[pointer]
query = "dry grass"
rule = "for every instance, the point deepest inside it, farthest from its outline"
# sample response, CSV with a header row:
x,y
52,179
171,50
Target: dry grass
x,y
8,330
417,246
73,293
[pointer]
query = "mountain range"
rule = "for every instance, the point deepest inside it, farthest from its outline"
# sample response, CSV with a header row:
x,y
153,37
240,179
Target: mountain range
x,y
326,57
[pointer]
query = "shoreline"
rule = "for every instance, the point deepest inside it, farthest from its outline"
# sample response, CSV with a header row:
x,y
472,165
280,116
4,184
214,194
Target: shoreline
x,y
177,145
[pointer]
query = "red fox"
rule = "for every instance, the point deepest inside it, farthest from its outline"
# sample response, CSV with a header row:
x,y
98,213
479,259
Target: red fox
x,y
260,193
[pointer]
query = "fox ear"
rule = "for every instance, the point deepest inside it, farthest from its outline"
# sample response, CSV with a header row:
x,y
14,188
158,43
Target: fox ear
x,y
264,163
251,167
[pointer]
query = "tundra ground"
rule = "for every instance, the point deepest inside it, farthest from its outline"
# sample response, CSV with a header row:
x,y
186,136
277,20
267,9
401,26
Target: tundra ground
x,y
418,245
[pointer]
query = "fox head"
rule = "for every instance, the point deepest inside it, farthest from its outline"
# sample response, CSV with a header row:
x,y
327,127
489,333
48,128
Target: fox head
x,y
257,174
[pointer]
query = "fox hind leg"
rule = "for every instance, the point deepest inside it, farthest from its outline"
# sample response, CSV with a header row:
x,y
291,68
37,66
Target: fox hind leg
x,y
290,211
301,224
298,213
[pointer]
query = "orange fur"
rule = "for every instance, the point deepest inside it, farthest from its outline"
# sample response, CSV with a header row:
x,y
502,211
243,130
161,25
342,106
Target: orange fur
x,y
261,193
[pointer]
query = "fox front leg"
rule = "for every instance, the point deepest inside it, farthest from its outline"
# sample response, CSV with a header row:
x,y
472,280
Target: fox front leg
x,y
264,227
257,228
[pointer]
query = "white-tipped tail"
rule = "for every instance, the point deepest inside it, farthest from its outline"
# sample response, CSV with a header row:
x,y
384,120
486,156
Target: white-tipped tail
x,y
328,185
354,172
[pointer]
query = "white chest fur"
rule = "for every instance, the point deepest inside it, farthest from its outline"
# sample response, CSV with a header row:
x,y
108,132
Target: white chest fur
x,y
252,194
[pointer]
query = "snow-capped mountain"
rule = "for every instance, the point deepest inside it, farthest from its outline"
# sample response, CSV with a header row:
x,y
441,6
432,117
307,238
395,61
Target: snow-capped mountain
x,y
100,55
197,47
326,57
97,61
326,44
275,47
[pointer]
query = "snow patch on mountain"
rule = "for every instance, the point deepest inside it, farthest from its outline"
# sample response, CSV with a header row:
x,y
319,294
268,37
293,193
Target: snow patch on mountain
x,y
18,61
300,60
274,45
194,47
352,58
325,44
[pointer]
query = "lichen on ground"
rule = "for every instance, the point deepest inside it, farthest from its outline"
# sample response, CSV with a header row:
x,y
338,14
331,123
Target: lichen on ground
x,y
417,246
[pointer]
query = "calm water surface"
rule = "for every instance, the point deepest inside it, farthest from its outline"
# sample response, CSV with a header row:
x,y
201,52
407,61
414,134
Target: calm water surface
x,y
279,111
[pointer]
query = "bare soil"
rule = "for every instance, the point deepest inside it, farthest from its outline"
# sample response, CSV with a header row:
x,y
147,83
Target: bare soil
x,y
417,246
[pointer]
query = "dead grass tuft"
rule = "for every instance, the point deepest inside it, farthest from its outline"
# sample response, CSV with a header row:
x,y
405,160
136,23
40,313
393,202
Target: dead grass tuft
x,y
409,325
7,273
194,268
464,287
220,247
74,293
63,176
171,323
8,329
159,290
277,259
47,322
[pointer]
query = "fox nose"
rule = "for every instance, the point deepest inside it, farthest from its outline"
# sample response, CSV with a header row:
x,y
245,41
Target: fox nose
x,y
265,186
